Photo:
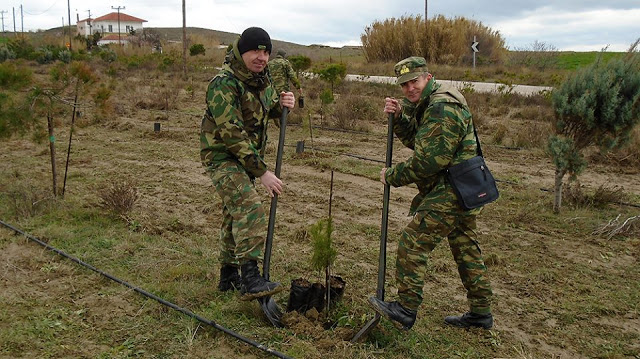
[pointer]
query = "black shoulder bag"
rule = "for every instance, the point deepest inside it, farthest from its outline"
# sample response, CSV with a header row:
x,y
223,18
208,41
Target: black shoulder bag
x,y
471,180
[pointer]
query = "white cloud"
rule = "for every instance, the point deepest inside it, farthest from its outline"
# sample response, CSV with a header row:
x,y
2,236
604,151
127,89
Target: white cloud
x,y
573,31
567,24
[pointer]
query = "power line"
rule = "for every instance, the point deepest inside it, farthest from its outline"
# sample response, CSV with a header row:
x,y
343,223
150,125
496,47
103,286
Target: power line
x,y
44,12
118,8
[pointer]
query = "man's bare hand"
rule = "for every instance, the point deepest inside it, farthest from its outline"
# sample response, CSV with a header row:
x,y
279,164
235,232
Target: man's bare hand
x,y
287,99
391,105
382,173
271,183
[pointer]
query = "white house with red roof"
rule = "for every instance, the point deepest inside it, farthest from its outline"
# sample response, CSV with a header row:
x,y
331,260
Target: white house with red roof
x,y
108,24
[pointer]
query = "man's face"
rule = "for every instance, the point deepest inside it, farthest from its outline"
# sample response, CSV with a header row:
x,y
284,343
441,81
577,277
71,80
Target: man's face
x,y
412,89
256,60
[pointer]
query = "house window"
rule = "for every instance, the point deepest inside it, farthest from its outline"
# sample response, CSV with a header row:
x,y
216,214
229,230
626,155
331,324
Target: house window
x,y
128,28
110,28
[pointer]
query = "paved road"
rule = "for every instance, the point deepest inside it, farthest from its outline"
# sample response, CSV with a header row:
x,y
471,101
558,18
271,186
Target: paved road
x,y
478,86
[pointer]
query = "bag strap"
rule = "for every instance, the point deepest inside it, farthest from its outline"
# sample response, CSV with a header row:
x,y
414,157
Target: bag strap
x,y
475,133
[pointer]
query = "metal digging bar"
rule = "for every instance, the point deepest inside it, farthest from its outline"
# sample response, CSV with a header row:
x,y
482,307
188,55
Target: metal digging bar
x,y
150,295
269,306
382,258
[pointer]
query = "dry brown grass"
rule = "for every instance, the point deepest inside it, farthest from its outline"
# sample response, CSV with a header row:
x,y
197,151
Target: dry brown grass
x,y
579,196
537,260
119,197
394,39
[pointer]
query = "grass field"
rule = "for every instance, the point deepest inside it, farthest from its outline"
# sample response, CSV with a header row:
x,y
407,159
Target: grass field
x,y
572,60
566,285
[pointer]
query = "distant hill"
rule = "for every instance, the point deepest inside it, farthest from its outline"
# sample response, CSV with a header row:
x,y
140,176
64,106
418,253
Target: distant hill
x,y
174,34
226,38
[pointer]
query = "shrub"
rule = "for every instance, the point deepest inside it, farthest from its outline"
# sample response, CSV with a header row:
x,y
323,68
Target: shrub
x,y
299,63
196,49
101,99
119,198
21,48
108,55
13,76
576,196
26,200
65,56
353,110
44,56
598,105
439,40
6,54
331,73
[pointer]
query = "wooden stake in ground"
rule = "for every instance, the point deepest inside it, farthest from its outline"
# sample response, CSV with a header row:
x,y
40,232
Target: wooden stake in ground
x,y
52,149
327,273
73,120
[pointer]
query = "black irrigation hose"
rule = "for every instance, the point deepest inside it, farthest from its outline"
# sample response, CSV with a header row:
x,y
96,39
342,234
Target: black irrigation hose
x,y
333,129
150,295
341,154
497,180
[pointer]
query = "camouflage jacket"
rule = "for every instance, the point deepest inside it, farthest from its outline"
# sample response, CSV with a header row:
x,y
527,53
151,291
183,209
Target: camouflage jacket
x,y
234,125
439,130
281,73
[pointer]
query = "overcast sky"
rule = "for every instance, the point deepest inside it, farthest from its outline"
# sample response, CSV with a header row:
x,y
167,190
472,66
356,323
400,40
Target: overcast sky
x,y
577,25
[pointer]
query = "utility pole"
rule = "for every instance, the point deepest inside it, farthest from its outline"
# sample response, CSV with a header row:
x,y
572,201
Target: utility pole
x,y
426,14
2,14
21,21
14,21
184,40
118,8
89,23
69,14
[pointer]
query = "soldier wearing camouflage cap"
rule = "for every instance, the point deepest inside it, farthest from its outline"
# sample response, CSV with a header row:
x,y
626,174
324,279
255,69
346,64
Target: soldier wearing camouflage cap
x,y
435,122
233,135
282,73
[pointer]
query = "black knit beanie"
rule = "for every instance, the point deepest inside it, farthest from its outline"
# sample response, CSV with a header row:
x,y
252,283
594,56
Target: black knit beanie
x,y
254,38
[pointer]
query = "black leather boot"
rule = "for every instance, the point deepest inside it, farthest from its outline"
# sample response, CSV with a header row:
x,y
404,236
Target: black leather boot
x,y
400,316
470,319
254,285
229,278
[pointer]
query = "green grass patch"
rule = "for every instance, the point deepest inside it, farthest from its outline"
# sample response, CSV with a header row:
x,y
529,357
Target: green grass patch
x,y
574,60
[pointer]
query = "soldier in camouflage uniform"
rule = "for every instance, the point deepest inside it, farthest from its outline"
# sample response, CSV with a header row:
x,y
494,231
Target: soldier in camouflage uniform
x,y
435,122
240,101
282,73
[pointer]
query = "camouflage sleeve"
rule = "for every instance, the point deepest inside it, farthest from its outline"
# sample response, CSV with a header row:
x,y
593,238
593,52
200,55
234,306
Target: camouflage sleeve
x,y
292,75
223,102
405,128
436,142
275,112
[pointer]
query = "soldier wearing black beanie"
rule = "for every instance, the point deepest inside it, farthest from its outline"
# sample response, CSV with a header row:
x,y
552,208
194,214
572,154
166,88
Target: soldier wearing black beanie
x,y
254,38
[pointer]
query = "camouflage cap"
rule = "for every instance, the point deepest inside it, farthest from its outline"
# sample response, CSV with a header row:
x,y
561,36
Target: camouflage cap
x,y
410,68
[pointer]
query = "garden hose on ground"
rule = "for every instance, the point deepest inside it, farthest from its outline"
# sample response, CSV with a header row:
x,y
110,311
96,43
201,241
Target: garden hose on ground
x,y
150,295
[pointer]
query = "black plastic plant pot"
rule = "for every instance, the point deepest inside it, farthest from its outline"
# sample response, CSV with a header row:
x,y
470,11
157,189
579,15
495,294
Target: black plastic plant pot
x,y
337,288
305,295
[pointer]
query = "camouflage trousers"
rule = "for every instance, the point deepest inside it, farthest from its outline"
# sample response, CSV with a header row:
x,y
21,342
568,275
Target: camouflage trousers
x,y
244,223
420,237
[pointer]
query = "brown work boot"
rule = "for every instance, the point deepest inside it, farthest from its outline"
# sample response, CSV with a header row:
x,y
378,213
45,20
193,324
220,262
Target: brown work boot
x,y
254,285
